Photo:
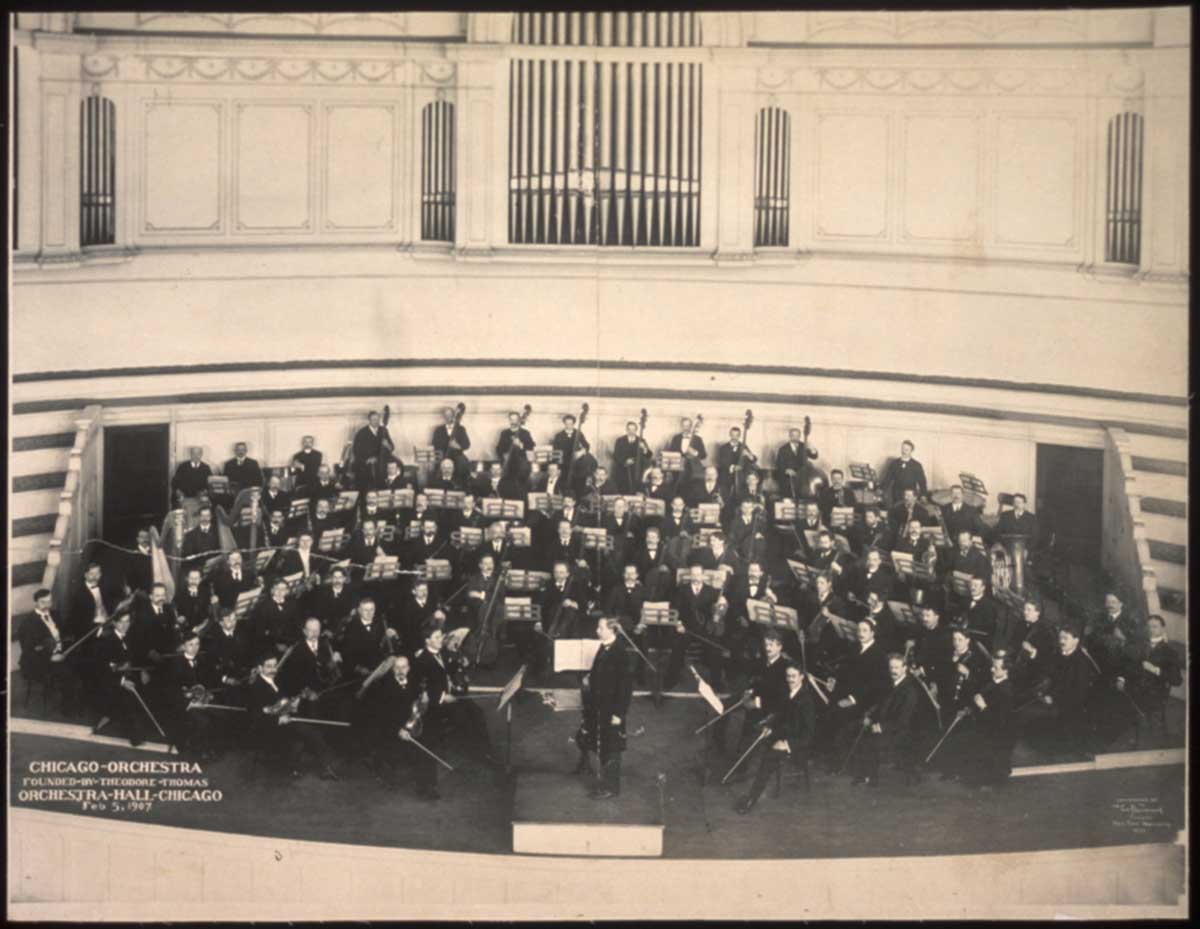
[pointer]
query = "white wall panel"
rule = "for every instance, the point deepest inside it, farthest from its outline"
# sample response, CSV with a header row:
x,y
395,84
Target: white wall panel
x,y
852,175
360,152
183,177
217,438
273,179
1036,181
941,177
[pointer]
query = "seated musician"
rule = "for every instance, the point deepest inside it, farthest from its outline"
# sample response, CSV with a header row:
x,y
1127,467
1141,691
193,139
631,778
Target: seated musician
x,y
793,728
569,512
302,559
905,473
1153,668
706,490
161,630
678,519
1115,622
767,690
959,517
696,602
278,532
325,487
887,631
1071,676
1110,640
825,557
967,559
191,476
391,700
332,603
363,642
561,601
906,511
394,477
323,519
425,546
469,516
624,528
480,586
41,639
365,546
933,646
305,464
368,508
872,532
650,566
1017,521
980,613
716,555
1032,645
816,608
275,498
566,546
858,683
745,532
118,680
272,728
915,543
809,521
550,481
624,600
604,485
835,494
890,729
873,576
195,598
446,478
790,461
241,470
628,451
408,621
189,731
493,483
655,485
275,621
226,652
966,672
201,542
419,512
983,757
230,579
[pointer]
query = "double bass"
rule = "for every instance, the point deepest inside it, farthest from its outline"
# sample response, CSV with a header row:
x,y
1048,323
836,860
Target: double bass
x,y
487,630
693,467
586,459
384,453
516,462
809,478
745,456
636,478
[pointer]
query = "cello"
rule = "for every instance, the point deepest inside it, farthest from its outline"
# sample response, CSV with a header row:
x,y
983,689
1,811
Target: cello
x,y
385,450
487,630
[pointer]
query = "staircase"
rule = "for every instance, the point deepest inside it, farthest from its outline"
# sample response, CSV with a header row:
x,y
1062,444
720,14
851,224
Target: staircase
x,y
51,454
1146,519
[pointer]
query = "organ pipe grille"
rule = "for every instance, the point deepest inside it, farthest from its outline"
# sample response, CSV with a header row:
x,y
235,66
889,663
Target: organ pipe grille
x,y
1123,233
437,172
772,179
619,30
97,171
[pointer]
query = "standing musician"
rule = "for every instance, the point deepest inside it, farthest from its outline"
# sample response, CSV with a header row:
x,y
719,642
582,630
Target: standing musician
x,y
729,461
138,571
767,691
790,462
41,639
687,443
118,682
890,729
451,439
191,476
271,726
573,446
793,729
1018,520
817,607
304,465
407,623
931,654
313,665
1110,640
627,451
516,434
983,755
1072,675
1031,645
905,473
837,494
242,471
607,691
1154,667
157,629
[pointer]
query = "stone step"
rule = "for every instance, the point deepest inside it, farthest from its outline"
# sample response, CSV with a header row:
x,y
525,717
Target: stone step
x,y
1172,599
34,503
1163,486
29,572
1157,446
1160,465
27,443
28,548
43,480
1165,528
1161,550
1172,576
39,461
1177,509
34,525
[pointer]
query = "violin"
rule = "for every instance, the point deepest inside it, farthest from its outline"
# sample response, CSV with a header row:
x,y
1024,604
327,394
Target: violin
x,y
282,706
416,717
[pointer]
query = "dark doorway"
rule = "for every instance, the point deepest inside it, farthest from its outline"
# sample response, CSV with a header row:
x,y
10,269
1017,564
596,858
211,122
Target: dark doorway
x,y
135,480
1070,490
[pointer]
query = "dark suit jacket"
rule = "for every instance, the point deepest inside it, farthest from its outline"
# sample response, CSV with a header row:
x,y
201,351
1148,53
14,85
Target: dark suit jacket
x,y
898,709
524,439
246,474
227,589
362,646
227,655
611,683
37,644
273,625
904,475
430,675
83,608
966,519
786,458
864,677
191,481
311,462
769,683
441,441
368,445
139,572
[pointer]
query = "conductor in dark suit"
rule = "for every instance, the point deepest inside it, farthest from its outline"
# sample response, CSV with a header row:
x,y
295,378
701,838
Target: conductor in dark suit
x,y
242,471
607,691
371,443
191,477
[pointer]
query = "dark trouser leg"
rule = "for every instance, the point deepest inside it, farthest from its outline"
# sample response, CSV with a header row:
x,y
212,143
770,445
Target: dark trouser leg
x,y
471,721
771,760
678,646
610,771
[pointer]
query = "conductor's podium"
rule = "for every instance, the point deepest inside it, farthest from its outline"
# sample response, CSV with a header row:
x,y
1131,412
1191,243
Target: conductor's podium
x,y
554,815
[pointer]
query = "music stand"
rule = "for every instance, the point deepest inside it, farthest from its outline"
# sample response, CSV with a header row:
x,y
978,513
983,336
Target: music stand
x,y
492,507
383,568
436,497
802,573
513,509
298,510
659,614
596,539
245,602
903,613
404,498
841,517
426,455
434,570
810,537
453,499
575,655
707,514
637,504
262,559
846,630
766,613
703,534
218,486
961,581
923,573
936,534
518,579
903,563
520,536
544,454
974,490
785,511
522,610
469,537
387,532
347,500
670,462
653,507
608,502
332,540
412,530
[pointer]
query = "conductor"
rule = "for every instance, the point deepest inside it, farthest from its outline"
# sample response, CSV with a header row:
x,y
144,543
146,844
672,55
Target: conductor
x,y
607,690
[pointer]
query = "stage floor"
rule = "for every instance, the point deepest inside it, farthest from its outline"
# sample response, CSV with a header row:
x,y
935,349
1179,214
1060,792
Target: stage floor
x,y
835,819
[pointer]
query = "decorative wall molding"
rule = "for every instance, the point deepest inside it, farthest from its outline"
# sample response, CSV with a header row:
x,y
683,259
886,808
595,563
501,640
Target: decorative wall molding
x,y
305,23
956,81
267,70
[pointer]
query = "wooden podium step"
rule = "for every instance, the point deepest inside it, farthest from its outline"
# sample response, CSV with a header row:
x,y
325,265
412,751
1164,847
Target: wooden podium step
x,y
554,815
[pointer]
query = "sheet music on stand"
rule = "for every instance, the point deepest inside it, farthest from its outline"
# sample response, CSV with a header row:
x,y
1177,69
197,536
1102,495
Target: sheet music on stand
x,y
544,454
707,514
332,540
403,498
210,565
810,537
903,613
383,568
520,536
841,517
245,602
636,503
469,537
703,534
670,462
922,572
453,499
492,507
347,500
434,569
785,511
766,613
713,577
972,487
262,559
295,583
426,455
802,573
412,530
518,579
659,614
653,507
522,610
546,504
298,509
962,583
218,485
595,539
903,563
575,654
387,532
936,534
436,497
846,630
608,502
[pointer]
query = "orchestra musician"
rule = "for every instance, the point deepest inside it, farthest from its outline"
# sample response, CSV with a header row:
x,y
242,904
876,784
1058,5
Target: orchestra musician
x,y
415,610
746,536
573,446
677,520
41,636
191,476
980,613
275,499
767,692
312,665
793,728
230,579
697,603
392,700
138,571
625,458
982,756
514,434
958,517
1109,640
188,731
729,462
304,465
906,511
836,494
1153,668
706,490
241,470
687,443
394,477
889,728
201,542
1018,520
905,473
873,576
118,682
272,727
1071,676
363,642
859,683
450,439
227,652
194,599
655,486
1031,645
872,532
372,443
275,620
790,462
